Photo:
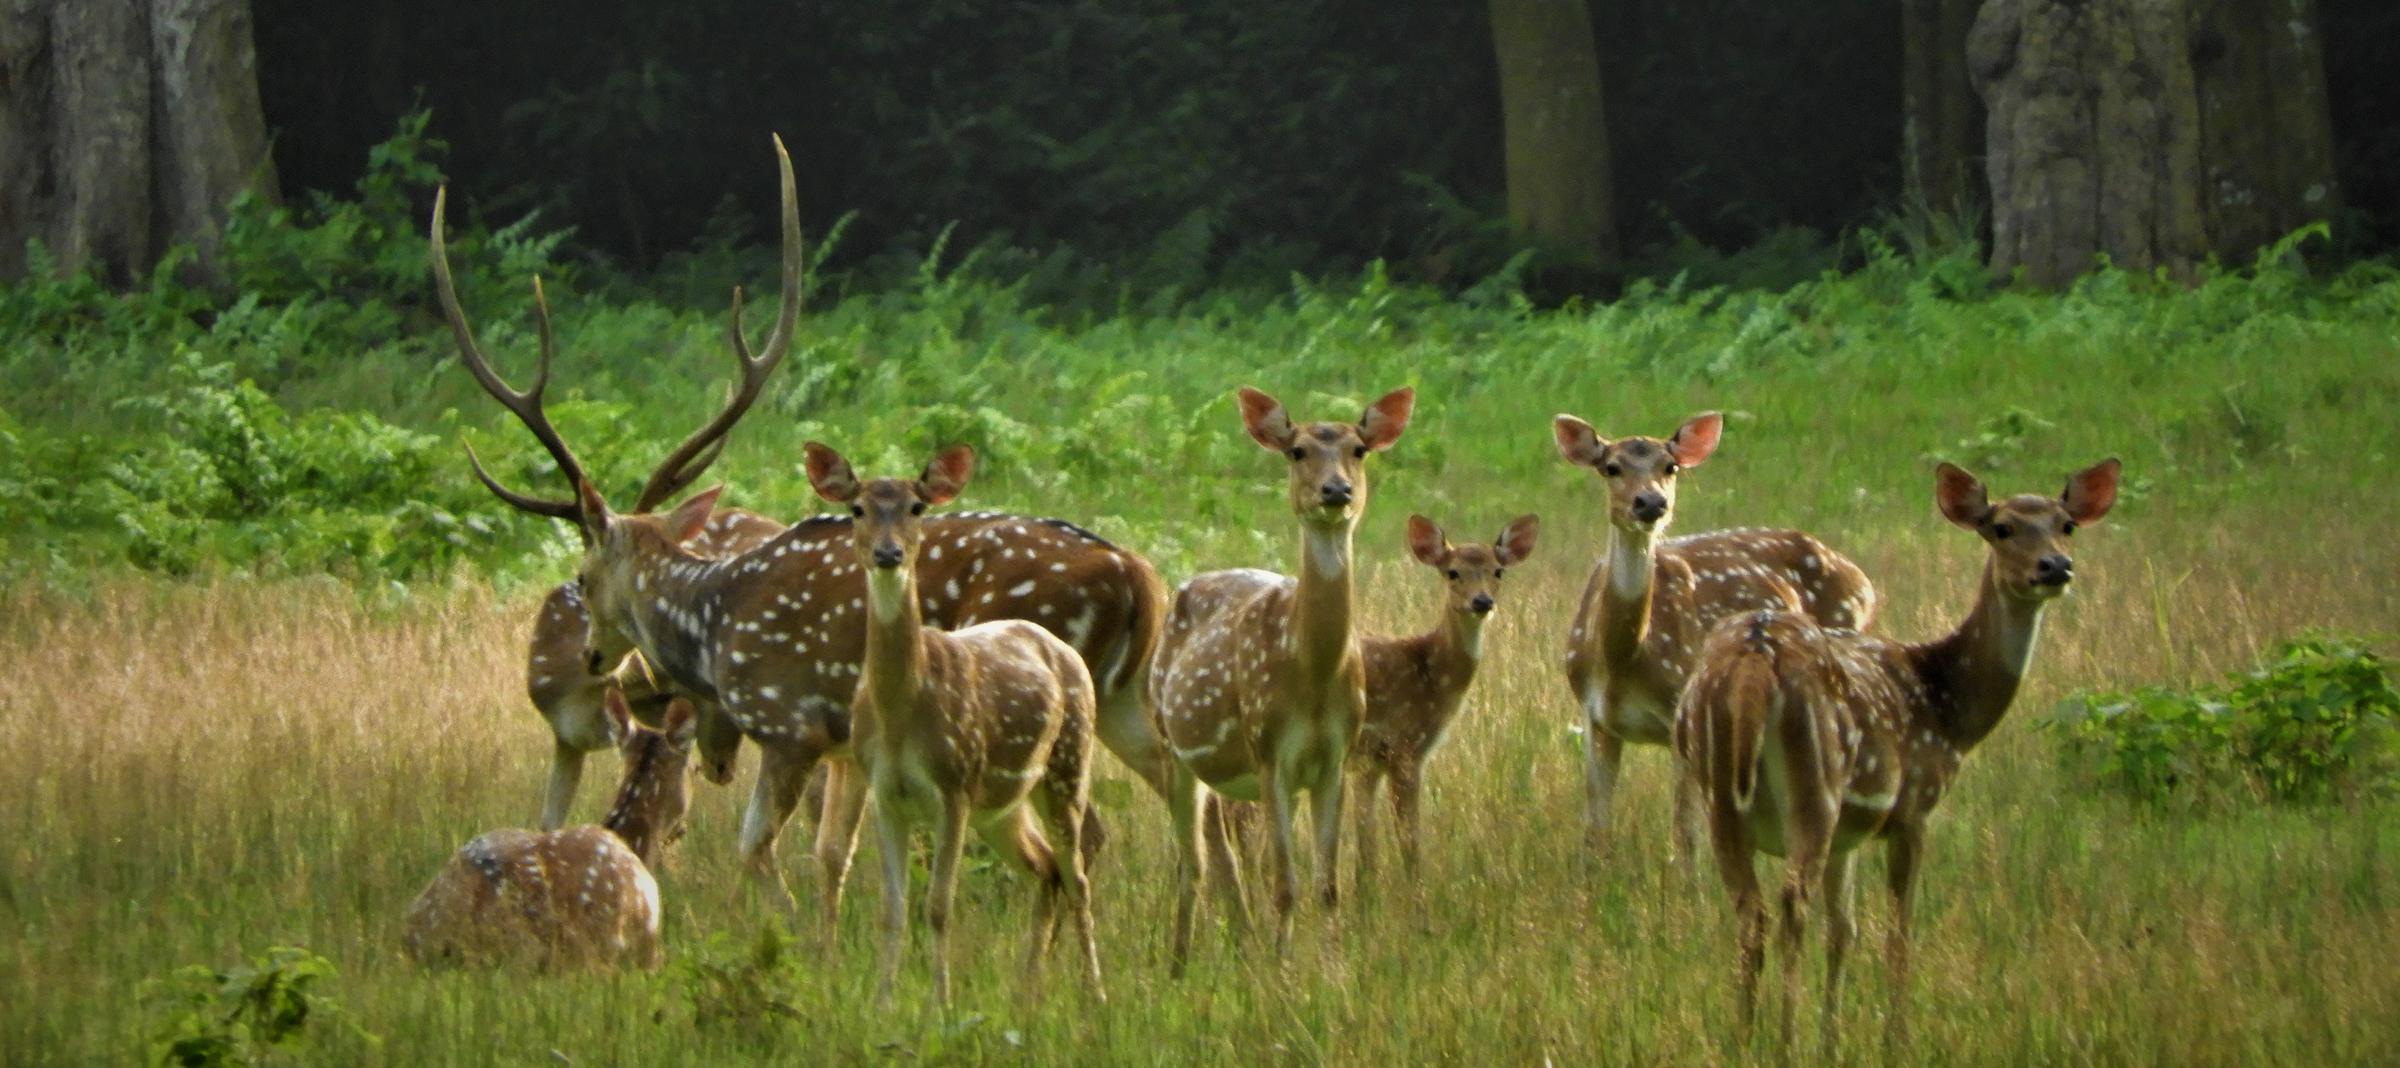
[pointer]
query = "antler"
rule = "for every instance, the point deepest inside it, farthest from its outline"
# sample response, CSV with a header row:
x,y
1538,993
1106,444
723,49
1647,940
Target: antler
x,y
527,404
703,447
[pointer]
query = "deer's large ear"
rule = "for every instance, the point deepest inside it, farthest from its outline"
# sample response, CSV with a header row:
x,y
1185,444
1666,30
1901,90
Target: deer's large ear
x,y
2092,491
681,724
1269,425
946,475
1426,543
1696,438
1961,497
1387,417
1516,542
620,717
685,522
595,512
1578,443
830,475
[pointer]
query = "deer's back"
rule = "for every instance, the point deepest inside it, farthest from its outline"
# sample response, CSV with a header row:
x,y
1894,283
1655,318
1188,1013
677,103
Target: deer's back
x,y
567,898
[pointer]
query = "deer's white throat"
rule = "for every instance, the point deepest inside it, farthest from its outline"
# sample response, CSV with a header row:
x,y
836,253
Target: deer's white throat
x,y
1628,562
1329,551
887,592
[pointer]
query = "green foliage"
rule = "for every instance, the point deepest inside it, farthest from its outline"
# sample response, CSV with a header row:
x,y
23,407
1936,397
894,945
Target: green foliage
x,y
754,988
245,1015
2313,725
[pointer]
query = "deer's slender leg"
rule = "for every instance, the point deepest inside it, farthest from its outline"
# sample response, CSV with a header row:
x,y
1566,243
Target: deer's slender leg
x,y
1277,789
1603,753
949,841
1369,787
1408,785
891,835
782,774
1841,928
1900,862
837,837
1191,862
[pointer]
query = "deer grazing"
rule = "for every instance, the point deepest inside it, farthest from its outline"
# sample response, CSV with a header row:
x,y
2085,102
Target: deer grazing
x,y
579,897
1650,602
1416,684
772,636
988,726
1805,741
1258,684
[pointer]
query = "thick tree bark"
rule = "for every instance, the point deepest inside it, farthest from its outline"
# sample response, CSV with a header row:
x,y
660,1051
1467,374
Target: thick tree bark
x,y
126,126
1942,123
2093,143
1559,187
2266,130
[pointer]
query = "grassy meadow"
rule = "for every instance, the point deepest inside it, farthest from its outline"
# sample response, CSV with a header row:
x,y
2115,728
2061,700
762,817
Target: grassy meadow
x,y
202,762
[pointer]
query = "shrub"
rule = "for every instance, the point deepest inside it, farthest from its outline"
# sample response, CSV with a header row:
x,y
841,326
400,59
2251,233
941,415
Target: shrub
x,y
239,1016
2317,723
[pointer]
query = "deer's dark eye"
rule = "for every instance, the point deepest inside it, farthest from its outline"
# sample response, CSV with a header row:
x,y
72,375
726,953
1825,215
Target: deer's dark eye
x,y
917,508
1612,470
857,512
1673,467
1497,572
2002,530
2069,528
1299,453
1454,574
1360,452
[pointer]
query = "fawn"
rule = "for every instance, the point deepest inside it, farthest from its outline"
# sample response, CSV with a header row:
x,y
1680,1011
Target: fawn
x,y
579,897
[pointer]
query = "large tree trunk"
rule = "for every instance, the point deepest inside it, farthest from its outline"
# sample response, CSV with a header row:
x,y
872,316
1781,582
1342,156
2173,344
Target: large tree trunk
x,y
1556,136
1942,122
2094,136
126,126
2266,130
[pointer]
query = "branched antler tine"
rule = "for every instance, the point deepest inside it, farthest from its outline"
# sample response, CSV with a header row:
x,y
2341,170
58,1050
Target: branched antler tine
x,y
526,405
692,457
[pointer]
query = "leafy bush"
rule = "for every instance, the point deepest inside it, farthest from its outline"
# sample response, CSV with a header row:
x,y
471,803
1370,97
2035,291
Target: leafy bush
x,y
2315,724
242,1015
752,987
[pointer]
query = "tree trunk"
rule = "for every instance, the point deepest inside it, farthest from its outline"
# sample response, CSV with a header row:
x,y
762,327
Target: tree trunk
x,y
1555,132
126,126
1942,128
2266,130
2093,143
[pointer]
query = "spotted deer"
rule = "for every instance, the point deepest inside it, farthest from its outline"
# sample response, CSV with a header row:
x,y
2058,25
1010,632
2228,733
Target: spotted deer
x,y
1258,684
573,898
988,726
568,693
1416,685
1805,741
772,635
1650,602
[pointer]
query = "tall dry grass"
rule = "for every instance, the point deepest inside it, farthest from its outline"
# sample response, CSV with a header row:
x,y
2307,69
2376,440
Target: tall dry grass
x,y
191,774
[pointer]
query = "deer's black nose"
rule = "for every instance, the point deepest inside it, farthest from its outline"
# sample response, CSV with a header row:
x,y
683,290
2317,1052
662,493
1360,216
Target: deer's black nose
x,y
1334,494
1649,507
1481,604
887,556
594,662
2056,569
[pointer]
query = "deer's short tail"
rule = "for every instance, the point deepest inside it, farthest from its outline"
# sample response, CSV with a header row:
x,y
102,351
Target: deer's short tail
x,y
1721,722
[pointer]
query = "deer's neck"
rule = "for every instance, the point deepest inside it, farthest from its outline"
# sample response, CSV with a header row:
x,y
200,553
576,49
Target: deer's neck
x,y
1455,648
1321,605
894,670
1971,676
634,816
678,607
1625,618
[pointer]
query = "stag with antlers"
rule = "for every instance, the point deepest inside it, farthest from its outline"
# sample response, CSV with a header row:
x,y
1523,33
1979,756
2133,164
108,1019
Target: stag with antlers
x,y
1805,742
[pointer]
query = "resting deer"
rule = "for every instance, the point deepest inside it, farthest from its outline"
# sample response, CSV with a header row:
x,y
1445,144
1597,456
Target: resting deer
x,y
1805,742
771,635
579,897
1650,603
987,726
1416,684
1258,683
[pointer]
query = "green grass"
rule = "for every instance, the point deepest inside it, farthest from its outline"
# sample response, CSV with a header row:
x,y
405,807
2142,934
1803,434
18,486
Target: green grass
x,y
199,769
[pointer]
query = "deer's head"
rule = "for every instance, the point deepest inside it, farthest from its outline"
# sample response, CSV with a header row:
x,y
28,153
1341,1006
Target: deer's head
x,y
1472,572
1640,472
2028,534
1328,460
655,792
618,553
887,515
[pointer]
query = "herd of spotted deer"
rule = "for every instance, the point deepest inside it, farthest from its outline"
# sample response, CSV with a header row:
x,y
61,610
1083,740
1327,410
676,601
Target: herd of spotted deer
x,y
959,668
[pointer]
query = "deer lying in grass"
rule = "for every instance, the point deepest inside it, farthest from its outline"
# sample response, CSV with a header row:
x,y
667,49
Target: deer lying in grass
x,y
1258,683
579,897
1650,603
770,635
1805,742
985,727
1415,685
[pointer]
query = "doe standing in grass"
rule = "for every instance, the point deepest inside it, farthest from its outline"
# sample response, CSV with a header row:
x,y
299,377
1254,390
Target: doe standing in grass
x,y
1805,742
1415,685
983,727
578,897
